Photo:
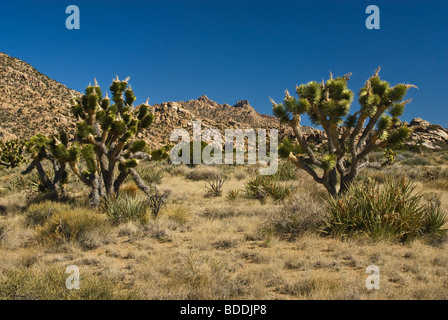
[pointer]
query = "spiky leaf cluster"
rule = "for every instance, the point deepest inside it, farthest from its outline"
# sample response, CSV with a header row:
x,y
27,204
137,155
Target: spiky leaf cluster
x,y
11,153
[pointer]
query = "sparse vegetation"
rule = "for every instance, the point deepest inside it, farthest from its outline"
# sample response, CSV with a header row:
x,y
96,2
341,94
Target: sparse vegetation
x,y
124,208
156,236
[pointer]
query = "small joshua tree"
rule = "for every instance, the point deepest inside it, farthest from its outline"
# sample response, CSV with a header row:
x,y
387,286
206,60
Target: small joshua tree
x,y
53,150
11,153
350,138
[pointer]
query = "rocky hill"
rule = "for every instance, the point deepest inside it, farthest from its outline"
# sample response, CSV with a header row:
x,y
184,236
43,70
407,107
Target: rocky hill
x,y
31,102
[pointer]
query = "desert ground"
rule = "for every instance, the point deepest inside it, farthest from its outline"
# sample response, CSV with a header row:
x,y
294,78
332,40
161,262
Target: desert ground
x,y
200,246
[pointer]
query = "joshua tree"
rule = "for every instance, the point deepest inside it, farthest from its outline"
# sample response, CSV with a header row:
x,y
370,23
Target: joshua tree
x,y
350,138
54,150
106,143
11,153
107,138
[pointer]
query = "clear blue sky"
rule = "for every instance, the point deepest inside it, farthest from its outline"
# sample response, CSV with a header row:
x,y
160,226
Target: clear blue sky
x,y
235,49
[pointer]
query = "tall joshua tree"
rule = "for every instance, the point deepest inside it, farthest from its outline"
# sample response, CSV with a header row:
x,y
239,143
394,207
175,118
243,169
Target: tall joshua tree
x,y
107,136
350,138
106,149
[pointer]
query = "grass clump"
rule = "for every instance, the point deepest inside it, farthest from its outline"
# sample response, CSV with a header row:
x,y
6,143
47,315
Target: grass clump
x,y
26,284
261,187
76,226
286,172
38,213
417,161
125,208
393,211
298,215
203,173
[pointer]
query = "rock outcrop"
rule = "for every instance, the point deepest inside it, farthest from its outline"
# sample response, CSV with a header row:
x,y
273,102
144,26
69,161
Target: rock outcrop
x,y
425,134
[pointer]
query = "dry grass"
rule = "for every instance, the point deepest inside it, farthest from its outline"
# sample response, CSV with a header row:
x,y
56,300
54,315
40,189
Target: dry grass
x,y
213,248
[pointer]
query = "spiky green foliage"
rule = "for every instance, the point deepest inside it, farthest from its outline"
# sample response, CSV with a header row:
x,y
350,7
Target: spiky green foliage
x,y
161,153
55,150
349,137
393,210
11,153
260,187
108,134
107,147
124,208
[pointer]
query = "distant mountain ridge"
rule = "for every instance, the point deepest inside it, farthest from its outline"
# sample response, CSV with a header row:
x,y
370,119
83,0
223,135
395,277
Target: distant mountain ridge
x,y
31,102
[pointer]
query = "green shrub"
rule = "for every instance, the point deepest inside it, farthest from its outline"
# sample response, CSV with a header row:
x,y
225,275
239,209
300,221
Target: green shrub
x,y
261,187
124,208
286,172
76,226
417,161
434,173
233,195
152,173
205,173
19,182
393,210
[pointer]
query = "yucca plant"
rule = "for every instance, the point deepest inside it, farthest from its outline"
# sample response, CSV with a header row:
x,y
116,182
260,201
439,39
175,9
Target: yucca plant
x,y
394,210
260,187
124,208
214,186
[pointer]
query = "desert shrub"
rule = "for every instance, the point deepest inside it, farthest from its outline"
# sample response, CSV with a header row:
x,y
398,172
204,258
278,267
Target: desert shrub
x,y
286,171
434,173
26,284
179,170
124,208
152,173
240,174
393,210
38,213
3,231
203,173
299,214
18,182
377,156
233,195
157,201
260,187
76,226
179,213
417,161
214,186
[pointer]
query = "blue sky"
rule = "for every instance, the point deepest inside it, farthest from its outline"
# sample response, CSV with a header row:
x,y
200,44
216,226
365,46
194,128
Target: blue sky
x,y
235,50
